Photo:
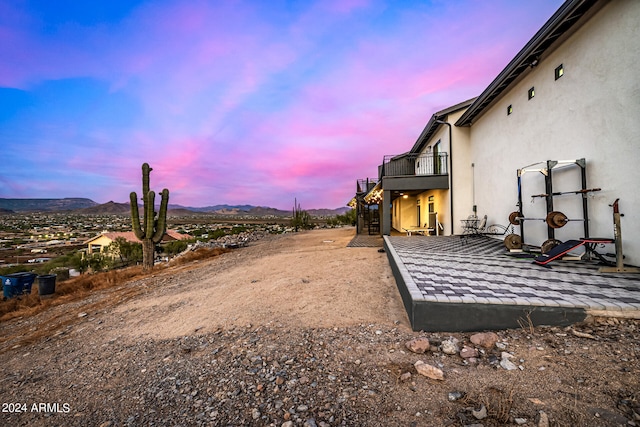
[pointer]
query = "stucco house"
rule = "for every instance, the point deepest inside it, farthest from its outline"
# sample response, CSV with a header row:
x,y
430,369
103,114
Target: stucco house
x,y
571,93
562,117
100,242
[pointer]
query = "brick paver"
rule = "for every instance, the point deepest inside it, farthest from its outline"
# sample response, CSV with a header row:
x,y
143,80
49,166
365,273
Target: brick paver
x,y
479,271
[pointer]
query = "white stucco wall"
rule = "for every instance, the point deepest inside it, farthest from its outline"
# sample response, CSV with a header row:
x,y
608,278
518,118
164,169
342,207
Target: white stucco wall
x,y
462,174
405,213
591,112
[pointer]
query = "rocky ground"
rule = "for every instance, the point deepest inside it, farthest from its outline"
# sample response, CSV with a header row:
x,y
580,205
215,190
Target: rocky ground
x,y
300,330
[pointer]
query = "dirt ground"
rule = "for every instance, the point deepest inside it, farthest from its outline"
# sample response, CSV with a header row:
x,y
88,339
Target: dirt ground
x,y
299,330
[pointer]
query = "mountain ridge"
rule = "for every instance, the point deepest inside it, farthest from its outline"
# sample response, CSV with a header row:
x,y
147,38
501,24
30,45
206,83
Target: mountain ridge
x,y
88,206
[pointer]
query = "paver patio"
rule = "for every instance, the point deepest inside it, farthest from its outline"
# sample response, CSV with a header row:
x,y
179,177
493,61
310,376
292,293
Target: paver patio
x,y
453,284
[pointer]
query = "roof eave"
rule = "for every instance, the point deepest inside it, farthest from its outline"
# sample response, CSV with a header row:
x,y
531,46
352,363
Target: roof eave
x,y
432,124
561,21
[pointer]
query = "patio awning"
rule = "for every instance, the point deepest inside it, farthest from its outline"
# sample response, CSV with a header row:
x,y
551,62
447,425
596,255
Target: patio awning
x,y
375,195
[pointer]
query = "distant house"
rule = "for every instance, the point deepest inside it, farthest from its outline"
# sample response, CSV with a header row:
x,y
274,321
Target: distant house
x,y
563,116
100,242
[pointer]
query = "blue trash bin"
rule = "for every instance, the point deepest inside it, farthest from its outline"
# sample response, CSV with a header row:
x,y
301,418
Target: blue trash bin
x,y
16,284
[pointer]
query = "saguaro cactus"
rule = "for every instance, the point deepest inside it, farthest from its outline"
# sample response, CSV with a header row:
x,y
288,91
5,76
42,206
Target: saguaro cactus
x,y
300,218
153,227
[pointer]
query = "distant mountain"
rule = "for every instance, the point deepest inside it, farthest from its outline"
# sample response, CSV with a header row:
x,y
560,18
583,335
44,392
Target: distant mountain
x,y
89,207
45,205
111,207
261,210
215,208
328,212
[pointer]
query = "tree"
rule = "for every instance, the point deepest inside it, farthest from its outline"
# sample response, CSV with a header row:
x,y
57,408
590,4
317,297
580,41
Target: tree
x,y
175,247
128,252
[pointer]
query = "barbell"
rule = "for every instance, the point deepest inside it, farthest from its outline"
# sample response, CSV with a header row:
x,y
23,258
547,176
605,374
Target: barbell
x,y
554,219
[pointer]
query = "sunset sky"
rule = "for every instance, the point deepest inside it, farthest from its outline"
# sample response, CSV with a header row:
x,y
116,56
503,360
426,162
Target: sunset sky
x,y
236,102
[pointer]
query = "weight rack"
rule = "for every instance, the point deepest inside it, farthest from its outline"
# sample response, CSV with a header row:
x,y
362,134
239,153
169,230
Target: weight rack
x,y
547,171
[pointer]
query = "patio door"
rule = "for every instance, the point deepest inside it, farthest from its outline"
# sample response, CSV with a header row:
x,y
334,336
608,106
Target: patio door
x,y
432,213
436,158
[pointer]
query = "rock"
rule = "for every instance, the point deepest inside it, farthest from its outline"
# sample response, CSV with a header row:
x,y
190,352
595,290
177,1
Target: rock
x,y
405,377
485,339
255,413
429,371
455,395
520,421
450,346
311,422
508,365
479,414
287,424
418,345
468,352
543,419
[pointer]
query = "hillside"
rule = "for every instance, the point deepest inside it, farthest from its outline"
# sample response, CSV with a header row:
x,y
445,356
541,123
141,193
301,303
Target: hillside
x,y
89,207
45,205
299,329
107,208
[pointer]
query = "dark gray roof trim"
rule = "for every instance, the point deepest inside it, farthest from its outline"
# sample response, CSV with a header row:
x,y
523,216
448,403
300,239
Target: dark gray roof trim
x,y
431,126
570,12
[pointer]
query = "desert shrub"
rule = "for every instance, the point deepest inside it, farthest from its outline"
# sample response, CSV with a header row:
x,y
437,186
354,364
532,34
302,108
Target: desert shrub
x,y
175,247
126,252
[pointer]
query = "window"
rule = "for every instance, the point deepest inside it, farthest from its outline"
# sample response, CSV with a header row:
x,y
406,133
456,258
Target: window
x,y
559,71
532,92
509,109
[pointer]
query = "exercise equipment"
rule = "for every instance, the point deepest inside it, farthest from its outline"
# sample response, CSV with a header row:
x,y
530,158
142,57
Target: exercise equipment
x,y
617,234
557,219
566,247
513,241
554,219
560,193
548,245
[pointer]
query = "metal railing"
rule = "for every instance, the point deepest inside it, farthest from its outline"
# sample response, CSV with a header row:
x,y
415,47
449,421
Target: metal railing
x,y
414,165
365,185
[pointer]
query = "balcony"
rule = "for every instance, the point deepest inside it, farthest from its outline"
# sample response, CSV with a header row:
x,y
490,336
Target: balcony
x,y
410,164
414,172
365,185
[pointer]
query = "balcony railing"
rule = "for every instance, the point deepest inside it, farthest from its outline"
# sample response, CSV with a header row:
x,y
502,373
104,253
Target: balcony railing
x,y
414,165
365,185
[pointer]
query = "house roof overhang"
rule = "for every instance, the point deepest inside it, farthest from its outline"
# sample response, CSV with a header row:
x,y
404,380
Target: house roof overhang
x,y
557,26
433,124
375,195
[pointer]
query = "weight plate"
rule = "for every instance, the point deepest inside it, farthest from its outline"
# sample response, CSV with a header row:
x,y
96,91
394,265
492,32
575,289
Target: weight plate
x,y
548,245
556,219
513,241
514,218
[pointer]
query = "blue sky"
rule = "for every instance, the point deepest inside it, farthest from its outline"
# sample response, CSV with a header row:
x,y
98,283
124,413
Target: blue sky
x,y
237,102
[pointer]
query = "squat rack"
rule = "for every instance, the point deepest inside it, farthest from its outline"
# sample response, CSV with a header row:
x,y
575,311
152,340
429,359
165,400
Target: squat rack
x,y
546,169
